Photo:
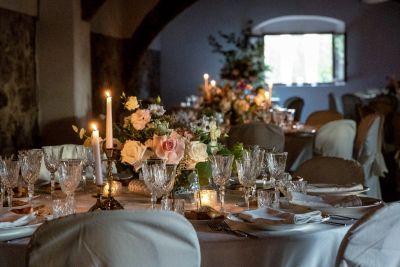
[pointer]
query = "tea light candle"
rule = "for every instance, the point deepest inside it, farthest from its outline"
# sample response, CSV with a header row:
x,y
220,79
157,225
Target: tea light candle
x,y
109,131
208,198
115,188
96,154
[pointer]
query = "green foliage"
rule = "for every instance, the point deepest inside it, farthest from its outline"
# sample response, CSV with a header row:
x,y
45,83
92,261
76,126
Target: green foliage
x,y
243,57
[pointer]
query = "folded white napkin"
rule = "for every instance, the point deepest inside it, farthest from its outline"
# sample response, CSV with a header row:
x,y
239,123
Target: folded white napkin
x,y
24,220
276,216
324,201
325,188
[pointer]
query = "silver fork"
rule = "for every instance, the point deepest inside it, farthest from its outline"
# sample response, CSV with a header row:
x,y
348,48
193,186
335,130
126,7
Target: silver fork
x,y
220,226
227,228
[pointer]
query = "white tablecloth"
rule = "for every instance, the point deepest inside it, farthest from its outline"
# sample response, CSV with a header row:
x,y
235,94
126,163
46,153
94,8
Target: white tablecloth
x,y
314,246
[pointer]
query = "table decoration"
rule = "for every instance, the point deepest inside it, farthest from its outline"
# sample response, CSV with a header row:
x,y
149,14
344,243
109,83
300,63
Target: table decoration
x,y
115,188
208,197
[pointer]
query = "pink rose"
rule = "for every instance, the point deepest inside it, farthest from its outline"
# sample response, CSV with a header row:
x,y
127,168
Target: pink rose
x,y
171,148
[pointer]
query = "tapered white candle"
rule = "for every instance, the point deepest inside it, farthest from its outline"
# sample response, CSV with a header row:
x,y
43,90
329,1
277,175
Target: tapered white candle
x,y
109,131
96,155
206,89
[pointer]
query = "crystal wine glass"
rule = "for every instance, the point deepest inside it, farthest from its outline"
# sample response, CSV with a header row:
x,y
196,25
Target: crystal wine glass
x,y
248,169
52,159
30,161
9,172
165,179
82,153
221,166
150,168
276,165
70,175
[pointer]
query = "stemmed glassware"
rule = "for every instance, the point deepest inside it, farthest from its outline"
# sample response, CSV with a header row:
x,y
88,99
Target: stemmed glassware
x,y
30,161
83,154
276,165
221,166
70,175
165,180
150,169
9,173
248,169
52,159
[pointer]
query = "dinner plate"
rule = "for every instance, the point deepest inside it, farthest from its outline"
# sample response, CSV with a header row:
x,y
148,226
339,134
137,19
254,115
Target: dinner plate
x,y
343,193
368,203
276,226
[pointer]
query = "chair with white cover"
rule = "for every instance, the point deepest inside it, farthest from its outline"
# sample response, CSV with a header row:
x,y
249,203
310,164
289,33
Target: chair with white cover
x,y
373,240
144,238
257,133
368,151
322,117
336,139
331,170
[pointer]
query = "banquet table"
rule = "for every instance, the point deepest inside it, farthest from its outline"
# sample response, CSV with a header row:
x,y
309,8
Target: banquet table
x,y
315,245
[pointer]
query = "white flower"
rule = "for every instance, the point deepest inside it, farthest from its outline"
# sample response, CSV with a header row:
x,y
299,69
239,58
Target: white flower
x,y
140,118
131,103
132,152
197,152
215,132
156,109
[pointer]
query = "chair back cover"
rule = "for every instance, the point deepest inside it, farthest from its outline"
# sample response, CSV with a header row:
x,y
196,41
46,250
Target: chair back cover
x,y
319,118
336,139
296,103
330,170
116,238
352,105
257,133
368,151
373,240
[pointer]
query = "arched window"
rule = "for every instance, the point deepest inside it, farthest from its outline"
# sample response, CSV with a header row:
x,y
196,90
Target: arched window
x,y
304,50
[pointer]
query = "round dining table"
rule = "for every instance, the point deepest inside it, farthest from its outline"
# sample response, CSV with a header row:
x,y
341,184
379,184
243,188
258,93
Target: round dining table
x,y
314,245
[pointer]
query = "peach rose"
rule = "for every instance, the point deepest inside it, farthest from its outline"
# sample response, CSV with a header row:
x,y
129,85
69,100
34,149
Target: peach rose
x,y
132,103
171,148
140,118
132,152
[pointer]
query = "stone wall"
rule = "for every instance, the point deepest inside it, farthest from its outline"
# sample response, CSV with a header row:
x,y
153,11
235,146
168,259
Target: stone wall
x,y
109,62
18,101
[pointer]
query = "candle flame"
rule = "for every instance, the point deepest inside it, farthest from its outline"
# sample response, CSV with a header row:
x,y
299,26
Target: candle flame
x,y
213,83
108,94
94,127
206,76
266,94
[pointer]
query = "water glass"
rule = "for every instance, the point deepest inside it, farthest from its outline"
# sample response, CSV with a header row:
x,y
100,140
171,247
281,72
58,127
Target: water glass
x,y
30,161
150,169
167,204
221,166
179,206
267,198
70,174
276,164
52,157
9,173
297,186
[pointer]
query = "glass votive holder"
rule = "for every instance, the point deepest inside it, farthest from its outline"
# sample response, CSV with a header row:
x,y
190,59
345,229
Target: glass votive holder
x,y
179,206
267,198
167,204
297,186
208,197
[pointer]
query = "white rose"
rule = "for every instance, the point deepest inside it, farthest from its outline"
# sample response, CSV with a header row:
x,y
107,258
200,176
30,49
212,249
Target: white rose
x,y
197,151
131,103
156,109
132,152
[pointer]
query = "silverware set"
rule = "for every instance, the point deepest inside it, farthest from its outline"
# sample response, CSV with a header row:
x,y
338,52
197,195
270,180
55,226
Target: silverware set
x,y
340,220
220,226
